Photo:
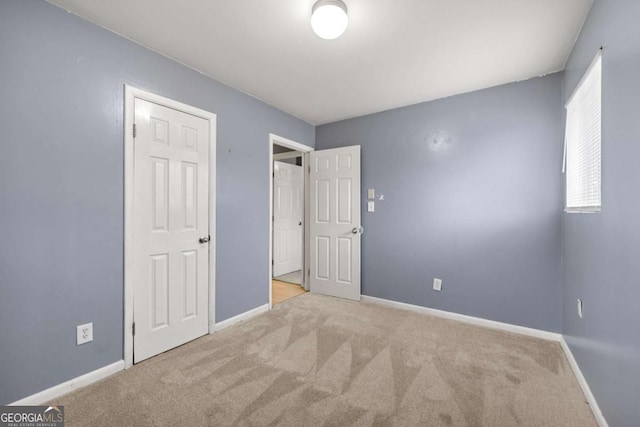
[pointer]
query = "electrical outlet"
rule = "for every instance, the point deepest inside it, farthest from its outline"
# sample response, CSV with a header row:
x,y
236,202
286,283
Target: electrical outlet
x,y
580,312
84,333
437,284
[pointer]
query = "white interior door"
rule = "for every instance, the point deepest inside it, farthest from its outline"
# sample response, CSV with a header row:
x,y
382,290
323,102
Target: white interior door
x,y
335,222
288,198
171,228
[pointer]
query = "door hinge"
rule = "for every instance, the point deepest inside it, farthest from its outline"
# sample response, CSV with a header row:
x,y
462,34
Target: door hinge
x,y
134,130
309,169
133,329
309,272
272,262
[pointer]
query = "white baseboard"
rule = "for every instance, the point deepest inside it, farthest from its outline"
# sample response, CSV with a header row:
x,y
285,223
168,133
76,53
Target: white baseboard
x,y
242,317
551,336
597,413
71,385
492,324
93,376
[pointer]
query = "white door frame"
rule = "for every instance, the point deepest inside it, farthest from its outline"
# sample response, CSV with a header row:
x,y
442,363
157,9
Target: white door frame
x,y
131,93
296,146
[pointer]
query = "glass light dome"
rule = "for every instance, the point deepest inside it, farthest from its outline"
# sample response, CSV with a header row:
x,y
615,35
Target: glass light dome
x,y
329,19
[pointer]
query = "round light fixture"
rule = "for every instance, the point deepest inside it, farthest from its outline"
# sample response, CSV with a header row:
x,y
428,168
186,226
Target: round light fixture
x,y
329,18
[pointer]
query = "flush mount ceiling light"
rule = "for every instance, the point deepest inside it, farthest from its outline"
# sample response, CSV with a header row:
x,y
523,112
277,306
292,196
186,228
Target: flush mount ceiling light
x,y
329,18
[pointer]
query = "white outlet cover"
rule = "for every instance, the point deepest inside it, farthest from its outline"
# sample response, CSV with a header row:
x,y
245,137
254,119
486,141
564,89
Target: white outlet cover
x,y
84,333
437,284
371,194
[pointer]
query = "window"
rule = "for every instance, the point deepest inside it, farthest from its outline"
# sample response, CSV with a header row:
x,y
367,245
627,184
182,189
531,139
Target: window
x,y
582,143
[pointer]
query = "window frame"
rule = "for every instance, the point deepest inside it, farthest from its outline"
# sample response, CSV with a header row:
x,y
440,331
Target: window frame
x,y
596,62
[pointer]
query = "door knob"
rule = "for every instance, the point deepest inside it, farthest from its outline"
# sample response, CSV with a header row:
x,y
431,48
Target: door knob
x,y
357,230
204,239
300,223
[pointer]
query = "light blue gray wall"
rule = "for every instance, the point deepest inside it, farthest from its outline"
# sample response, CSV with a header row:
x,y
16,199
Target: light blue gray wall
x,y
61,189
601,252
472,193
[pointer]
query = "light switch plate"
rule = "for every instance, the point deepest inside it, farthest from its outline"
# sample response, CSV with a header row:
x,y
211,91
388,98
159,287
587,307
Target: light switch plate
x,y
371,194
437,284
371,206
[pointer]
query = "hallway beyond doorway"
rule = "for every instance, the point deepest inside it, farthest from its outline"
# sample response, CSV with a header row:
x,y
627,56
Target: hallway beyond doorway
x,y
295,277
282,291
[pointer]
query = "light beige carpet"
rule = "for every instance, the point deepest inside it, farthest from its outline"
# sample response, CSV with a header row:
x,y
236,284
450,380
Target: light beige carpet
x,y
320,361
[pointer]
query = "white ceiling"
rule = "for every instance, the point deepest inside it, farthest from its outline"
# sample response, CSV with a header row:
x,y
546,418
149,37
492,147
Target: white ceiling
x,y
394,52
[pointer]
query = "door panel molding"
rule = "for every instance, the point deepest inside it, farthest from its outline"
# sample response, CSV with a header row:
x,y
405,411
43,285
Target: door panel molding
x,y
131,94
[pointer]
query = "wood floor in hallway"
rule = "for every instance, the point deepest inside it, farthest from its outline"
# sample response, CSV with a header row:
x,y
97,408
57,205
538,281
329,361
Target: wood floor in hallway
x,y
283,291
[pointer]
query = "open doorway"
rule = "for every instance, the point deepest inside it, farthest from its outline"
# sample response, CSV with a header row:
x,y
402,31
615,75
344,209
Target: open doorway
x,y
288,220
332,228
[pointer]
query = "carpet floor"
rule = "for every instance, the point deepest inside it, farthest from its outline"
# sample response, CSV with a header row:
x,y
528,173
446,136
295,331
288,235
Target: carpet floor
x,y
321,361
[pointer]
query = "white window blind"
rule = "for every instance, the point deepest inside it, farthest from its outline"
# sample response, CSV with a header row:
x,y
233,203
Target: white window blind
x,y
583,141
